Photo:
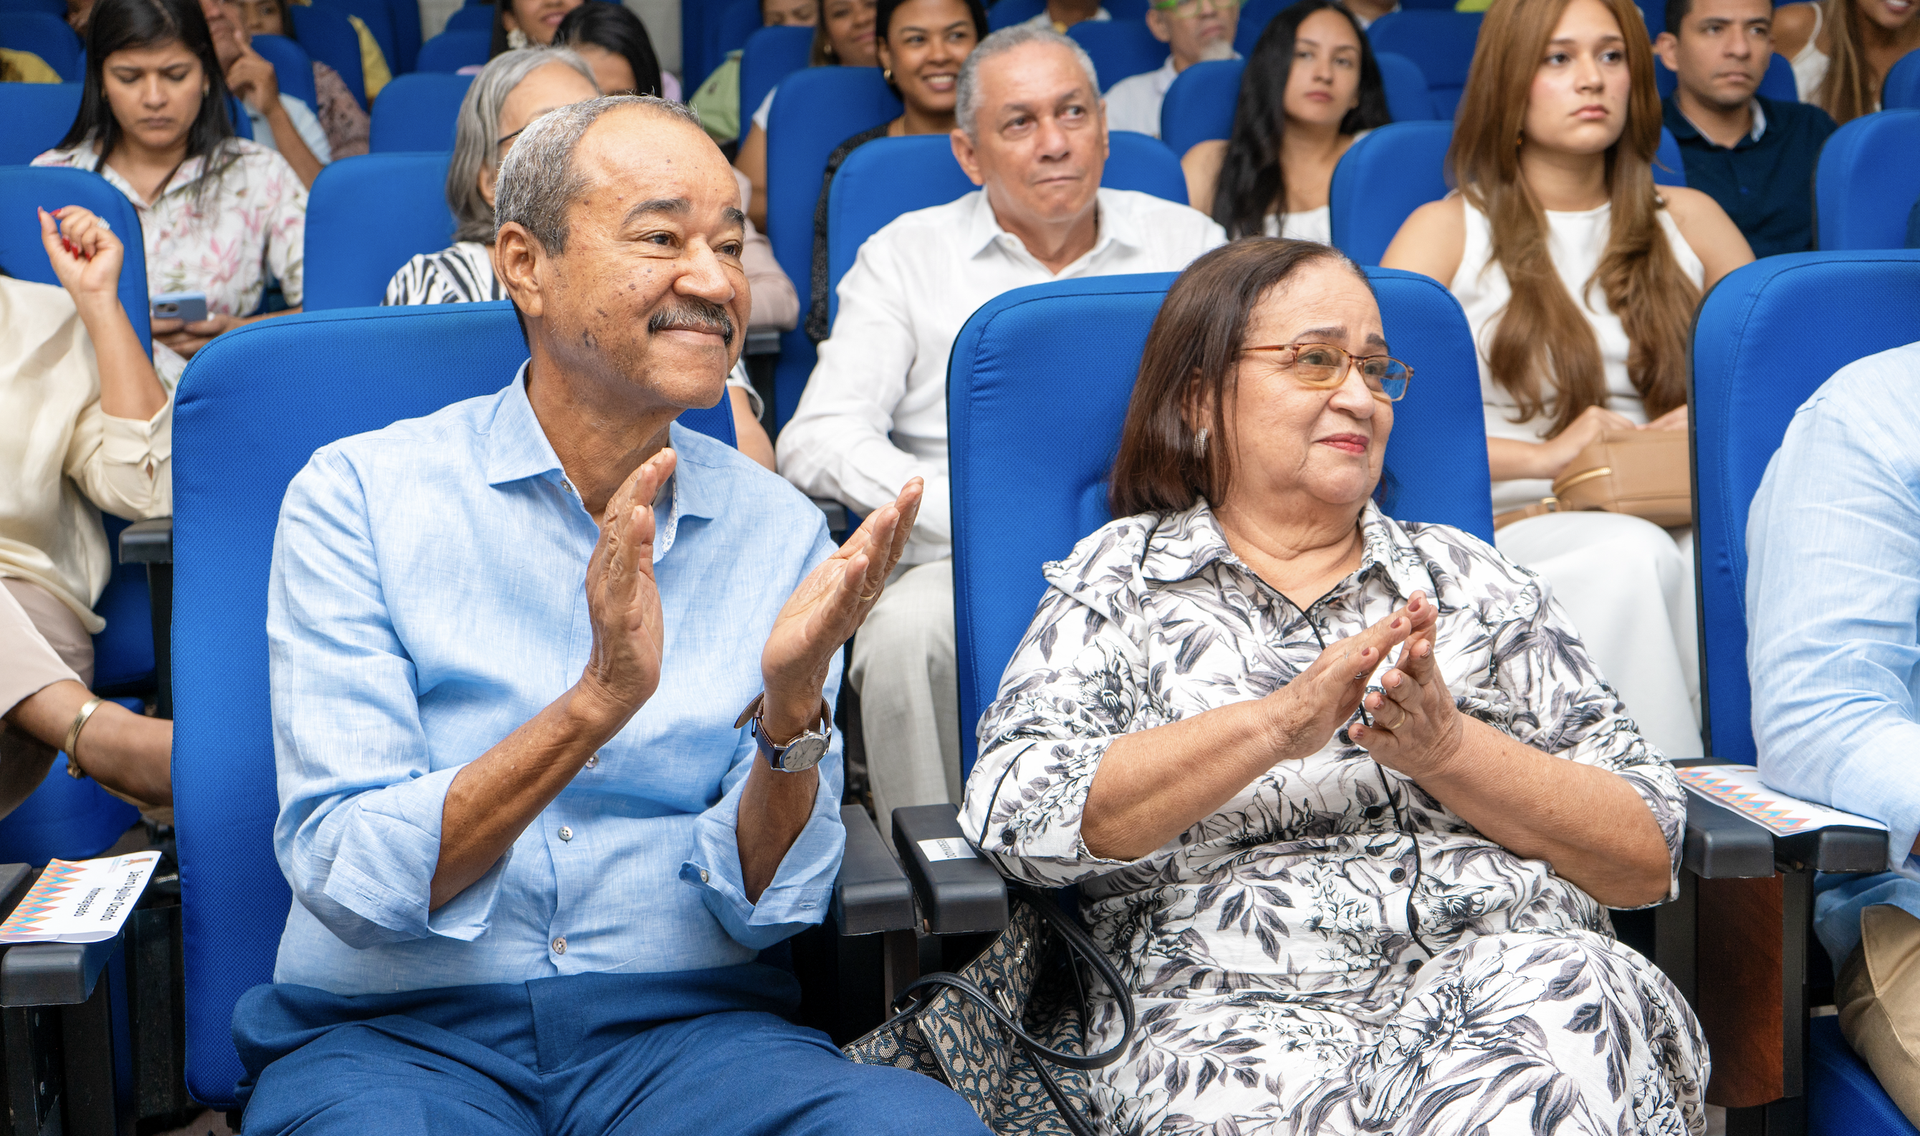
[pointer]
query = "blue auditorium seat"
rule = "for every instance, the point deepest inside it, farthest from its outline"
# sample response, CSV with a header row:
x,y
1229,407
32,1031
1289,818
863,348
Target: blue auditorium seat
x,y
472,18
1384,177
328,36
1901,90
229,477
890,176
1006,407
1777,83
1006,13
46,36
817,109
451,50
1255,15
56,8
23,257
38,116
1200,104
1867,182
378,18
366,218
1441,43
292,67
1753,366
1118,48
733,23
404,16
417,112
770,56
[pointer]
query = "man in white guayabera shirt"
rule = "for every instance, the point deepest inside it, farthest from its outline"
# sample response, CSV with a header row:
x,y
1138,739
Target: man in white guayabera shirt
x,y
1031,133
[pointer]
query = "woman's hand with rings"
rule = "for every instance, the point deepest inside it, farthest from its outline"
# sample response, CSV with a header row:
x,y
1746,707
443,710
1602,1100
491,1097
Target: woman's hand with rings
x,y
1416,726
1307,710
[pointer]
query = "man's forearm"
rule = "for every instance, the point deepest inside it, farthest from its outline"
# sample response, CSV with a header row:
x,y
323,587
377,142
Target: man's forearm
x,y
774,806
292,147
492,801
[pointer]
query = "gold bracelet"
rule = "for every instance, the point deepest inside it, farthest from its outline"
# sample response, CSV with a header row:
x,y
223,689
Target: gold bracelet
x,y
73,737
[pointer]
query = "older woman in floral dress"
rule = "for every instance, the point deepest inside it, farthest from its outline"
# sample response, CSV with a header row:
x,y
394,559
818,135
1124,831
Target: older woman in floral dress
x,y
1344,795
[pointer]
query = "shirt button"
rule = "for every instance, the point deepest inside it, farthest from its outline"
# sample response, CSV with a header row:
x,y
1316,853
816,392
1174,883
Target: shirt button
x,y
593,759
703,875
560,946
1414,966
566,833
568,486
1396,875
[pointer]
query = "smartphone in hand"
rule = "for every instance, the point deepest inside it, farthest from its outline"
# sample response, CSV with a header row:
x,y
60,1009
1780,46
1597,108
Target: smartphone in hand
x,y
188,306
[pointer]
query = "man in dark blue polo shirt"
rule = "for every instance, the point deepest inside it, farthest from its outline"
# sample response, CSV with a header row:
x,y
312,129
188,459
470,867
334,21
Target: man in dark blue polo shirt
x,y
1753,155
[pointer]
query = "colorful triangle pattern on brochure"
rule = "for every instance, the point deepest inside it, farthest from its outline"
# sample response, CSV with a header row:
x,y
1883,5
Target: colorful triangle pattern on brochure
x,y
1766,810
44,898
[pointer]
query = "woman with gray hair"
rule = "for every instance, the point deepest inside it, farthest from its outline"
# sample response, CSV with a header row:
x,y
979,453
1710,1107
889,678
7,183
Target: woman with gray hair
x,y
510,92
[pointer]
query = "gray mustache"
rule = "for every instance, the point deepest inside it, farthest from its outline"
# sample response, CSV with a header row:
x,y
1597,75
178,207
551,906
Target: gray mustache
x,y
693,314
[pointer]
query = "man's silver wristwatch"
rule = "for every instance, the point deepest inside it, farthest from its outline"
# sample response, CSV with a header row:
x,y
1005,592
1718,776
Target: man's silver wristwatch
x,y
798,755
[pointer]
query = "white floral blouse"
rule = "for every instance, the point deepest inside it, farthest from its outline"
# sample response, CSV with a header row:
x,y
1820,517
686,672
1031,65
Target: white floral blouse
x,y
251,222
1304,908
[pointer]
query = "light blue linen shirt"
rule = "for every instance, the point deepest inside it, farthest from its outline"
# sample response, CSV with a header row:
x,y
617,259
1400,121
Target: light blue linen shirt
x,y
426,600
1833,611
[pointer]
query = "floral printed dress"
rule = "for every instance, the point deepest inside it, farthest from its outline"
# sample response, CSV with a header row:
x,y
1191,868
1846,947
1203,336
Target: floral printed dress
x,y
224,242
1334,951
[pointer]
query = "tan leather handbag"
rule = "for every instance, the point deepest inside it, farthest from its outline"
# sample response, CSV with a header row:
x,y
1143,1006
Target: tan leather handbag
x,y
1644,473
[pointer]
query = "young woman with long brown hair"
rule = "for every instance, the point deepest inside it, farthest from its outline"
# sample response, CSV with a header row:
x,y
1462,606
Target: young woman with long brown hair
x,y
1579,279
1841,50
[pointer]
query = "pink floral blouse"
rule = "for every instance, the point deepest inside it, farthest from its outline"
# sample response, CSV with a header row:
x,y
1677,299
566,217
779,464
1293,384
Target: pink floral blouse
x,y
252,222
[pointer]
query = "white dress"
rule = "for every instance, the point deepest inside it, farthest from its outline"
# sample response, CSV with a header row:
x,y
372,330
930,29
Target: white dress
x,y
1810,63
1308,224
1627,584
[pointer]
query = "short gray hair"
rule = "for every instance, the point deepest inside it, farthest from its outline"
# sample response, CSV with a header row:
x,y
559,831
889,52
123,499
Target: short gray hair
x,y
966,105
476,134
539,181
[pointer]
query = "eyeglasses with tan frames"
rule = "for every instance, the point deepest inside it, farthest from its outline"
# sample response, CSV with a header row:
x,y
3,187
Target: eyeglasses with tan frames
x,y
1323,366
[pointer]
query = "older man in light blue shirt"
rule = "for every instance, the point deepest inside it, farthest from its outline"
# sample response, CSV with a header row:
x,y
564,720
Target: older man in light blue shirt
x,y
1833,604
535,842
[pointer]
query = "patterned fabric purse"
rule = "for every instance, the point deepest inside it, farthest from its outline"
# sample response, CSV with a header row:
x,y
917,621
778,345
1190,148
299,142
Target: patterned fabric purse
x,y
1008,1031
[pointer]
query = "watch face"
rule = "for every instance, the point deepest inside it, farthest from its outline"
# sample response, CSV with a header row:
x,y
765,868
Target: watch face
x,y
805,753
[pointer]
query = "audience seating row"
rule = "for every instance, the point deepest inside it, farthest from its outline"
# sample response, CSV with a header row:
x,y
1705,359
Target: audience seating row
x,y
417,112
1200,103
46,36
1874,163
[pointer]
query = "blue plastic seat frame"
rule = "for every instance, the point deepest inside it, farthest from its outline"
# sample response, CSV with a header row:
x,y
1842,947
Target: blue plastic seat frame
x,y
327,35
38,116
46,36
1119,48
453,49
1018,433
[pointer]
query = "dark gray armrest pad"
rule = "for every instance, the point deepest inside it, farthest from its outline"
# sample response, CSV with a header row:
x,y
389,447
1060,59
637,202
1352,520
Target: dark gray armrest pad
x,y
1722,844
147,542
958,894
763,341
45,974
871,893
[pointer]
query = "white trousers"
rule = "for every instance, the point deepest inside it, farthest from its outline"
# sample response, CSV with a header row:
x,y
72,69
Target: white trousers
x,y
1628,586
909,684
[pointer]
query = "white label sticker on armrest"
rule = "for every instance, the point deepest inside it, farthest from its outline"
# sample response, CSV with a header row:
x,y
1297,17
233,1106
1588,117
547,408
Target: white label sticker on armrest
x,y
946,848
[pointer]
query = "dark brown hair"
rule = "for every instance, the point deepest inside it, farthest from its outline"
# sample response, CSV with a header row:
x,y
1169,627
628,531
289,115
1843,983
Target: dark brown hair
x,y
1192,356
1543,340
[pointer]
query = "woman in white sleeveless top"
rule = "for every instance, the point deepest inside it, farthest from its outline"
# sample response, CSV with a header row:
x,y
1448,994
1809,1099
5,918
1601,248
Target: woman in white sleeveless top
x,y
1311,90
1841,50
1554,148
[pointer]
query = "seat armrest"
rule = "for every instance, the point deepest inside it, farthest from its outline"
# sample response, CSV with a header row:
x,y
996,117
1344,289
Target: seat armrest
x,y
763,341
1722,844
45,974
871,894
147,542
958,890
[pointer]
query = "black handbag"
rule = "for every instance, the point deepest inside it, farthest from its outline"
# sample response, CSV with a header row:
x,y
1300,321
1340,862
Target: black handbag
x,y
1008,1031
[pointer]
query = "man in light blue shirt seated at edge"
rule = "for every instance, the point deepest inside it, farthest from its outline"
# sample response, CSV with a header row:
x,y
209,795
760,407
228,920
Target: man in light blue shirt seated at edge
x,y
1833,602
533,855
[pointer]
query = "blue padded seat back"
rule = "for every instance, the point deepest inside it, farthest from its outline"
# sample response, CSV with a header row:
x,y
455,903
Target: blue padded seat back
x,y
1754,365
1255,15
292,67
73,820
1118,48
417,112
1901,90
890,176
38,116
1441,43
1867,181
735,24
23,257
367,216
55,8
404,16
1200,104
46,36
451,50
816,109
123,652
322,376
1006,405
771,54
1843,1098
379,21
472,18
1007,13
1381,180
328,36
